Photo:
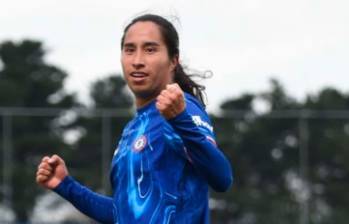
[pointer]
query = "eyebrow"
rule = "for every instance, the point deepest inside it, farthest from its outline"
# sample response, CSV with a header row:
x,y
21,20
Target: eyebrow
x,y
146,44
151,44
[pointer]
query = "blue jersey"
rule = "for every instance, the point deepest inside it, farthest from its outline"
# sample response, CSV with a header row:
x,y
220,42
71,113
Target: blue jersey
x,y
160,171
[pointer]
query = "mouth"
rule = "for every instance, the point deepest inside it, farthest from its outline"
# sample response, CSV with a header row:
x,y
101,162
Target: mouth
x,y
138,74
138,78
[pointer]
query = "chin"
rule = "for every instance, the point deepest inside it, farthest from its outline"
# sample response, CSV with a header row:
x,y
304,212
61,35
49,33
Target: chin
x,y
142,93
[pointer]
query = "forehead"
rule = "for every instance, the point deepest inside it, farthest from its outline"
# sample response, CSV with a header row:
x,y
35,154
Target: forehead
x,y
141,32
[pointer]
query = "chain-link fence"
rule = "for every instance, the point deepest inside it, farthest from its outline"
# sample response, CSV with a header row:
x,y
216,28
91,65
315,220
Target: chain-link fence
x,y
290,166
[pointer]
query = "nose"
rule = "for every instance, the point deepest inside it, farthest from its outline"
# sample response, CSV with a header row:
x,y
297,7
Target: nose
x,y
138,60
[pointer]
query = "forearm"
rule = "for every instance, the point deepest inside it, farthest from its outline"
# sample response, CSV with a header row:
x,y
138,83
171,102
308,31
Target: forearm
x,y
94,205
203,152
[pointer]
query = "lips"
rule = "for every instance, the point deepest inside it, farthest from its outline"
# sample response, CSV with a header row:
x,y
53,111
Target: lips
x,y
138,78
138,74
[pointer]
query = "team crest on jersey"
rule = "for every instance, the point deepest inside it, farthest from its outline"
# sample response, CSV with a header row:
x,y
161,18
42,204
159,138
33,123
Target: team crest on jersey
x,y
139,143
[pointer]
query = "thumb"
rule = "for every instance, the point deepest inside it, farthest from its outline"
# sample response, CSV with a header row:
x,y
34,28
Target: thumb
x,y
55,160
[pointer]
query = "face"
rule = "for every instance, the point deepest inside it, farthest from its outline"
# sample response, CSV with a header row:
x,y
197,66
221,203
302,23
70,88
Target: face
x,y
146,65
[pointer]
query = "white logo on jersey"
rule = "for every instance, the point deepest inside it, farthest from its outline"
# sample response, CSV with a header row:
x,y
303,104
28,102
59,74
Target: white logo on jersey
x,y
199,122
140,143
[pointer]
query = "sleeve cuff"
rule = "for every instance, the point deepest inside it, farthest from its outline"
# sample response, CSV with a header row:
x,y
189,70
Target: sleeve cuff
x,y
182,115
62,187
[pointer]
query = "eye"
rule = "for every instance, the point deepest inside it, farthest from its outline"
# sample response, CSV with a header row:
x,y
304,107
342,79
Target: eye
x,y
150,50
129,50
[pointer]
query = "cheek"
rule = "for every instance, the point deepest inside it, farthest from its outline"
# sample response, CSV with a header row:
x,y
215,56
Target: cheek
x,y
166,72
123,63
162,67
126,60
124,71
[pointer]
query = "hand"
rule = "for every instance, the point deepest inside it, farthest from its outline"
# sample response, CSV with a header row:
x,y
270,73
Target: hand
x,y
171,101
51,172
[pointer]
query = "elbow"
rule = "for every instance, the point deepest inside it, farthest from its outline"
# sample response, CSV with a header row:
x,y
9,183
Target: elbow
x,y
224,184
224,180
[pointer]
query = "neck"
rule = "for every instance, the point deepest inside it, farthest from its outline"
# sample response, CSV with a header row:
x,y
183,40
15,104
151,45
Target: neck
x,y
141,102
144,99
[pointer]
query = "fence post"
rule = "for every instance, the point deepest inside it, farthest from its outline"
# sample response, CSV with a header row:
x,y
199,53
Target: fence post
x,y
106,138
7,159
304,164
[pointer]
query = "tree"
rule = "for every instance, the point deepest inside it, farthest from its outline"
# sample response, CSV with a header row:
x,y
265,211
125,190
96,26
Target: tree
x,y
264,149
27,80
328,149
110,95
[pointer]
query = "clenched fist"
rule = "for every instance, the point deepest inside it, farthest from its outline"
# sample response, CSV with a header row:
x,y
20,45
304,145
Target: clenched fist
x,y
51,171
170,101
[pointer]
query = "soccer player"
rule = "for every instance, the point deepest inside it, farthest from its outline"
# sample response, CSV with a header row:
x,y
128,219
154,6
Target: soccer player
x,y
167,155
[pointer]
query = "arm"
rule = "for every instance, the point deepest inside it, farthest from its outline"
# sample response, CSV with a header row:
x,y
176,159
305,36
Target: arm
x,y
197,137
53,174
96,206
202,150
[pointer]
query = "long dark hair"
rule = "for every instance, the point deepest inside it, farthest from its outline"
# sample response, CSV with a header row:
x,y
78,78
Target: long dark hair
x,y
170,37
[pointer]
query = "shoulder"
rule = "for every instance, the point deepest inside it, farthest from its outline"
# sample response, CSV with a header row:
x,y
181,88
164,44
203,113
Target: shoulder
x,y
193,105
198,113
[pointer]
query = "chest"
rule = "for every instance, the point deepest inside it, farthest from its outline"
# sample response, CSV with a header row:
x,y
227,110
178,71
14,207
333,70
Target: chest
x,y
140,146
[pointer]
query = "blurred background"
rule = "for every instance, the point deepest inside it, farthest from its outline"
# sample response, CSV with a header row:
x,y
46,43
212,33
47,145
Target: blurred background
x,y
278,99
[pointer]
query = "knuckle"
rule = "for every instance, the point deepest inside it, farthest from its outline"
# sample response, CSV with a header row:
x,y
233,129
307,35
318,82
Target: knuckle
x,y
174,99
161,107
164,92
178,94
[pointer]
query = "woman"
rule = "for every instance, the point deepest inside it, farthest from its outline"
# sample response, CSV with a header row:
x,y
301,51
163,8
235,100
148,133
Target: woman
x,y
167,156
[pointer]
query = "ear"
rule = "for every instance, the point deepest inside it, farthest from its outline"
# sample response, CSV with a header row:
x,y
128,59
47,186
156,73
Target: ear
x,y
174,62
